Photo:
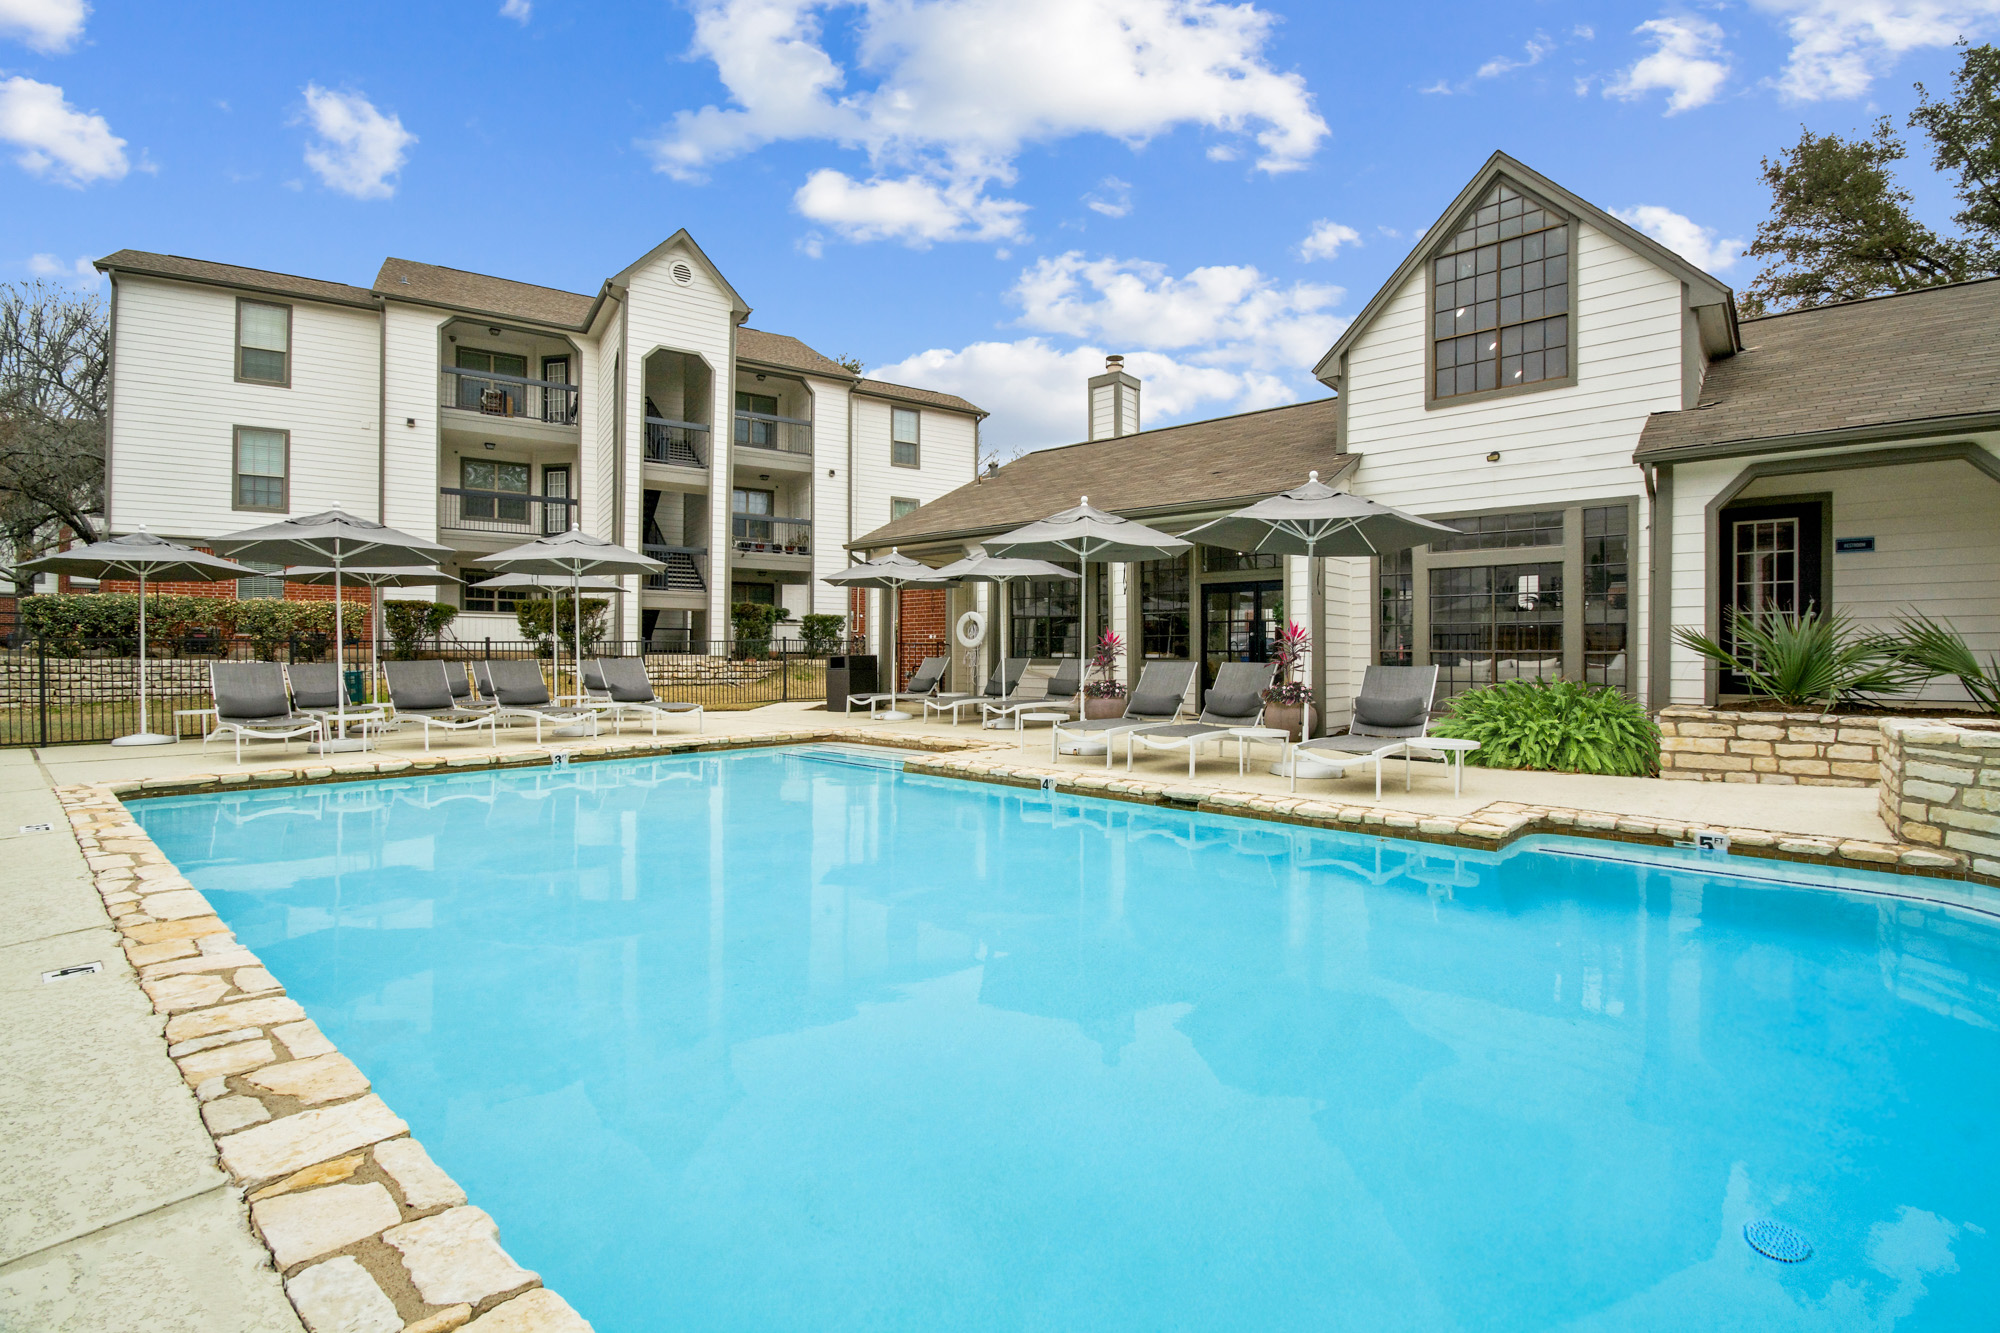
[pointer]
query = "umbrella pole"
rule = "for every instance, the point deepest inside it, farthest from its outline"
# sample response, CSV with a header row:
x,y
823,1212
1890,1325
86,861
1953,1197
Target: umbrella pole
x,y
576,627
144,735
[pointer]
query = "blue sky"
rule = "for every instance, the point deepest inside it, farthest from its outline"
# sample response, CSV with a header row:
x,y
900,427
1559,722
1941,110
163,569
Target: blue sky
x,y
983,196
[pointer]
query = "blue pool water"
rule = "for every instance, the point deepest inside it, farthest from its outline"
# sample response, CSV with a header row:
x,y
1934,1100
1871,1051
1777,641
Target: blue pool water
x,y
770,1042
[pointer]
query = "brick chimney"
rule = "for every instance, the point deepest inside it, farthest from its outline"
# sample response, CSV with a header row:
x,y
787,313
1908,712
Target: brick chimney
x,y
1114,401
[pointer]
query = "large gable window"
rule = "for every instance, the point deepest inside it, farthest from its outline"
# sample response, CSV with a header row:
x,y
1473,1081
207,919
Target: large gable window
x,y
1500,298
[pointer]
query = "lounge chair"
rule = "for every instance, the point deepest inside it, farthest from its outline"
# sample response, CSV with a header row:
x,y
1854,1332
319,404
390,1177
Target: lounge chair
x,y
1057,694
1394,705
421,692
923,681
1157,699
1235,700
999,685
316,689
520,694
619,685
251,703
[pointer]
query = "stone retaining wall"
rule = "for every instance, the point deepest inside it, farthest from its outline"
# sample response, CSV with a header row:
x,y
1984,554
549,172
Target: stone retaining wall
x,y
1941,787
1804,749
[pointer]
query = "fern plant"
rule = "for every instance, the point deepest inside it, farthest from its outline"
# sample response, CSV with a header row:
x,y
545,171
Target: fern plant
x,y
1558,726
1798,661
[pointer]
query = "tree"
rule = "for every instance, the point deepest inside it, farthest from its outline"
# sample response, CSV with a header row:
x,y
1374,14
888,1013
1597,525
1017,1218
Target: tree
x,y
1840,227
1965,138
850,364
54,397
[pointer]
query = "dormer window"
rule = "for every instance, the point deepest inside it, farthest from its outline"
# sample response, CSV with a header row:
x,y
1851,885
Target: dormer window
x,y
1500,300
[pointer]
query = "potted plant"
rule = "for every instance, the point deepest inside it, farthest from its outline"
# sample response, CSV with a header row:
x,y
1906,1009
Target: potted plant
x,y
1288,703
1104,694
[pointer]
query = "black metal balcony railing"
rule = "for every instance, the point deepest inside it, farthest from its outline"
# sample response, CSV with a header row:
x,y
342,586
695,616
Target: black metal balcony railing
x,y
679,443
508,396
771,534
786,435
510,512
686,571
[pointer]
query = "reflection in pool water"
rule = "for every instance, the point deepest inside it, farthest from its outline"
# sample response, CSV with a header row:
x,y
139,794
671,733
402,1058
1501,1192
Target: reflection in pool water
x,y
764,1041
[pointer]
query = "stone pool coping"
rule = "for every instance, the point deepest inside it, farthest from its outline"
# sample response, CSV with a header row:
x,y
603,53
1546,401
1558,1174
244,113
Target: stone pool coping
x,y
370,1235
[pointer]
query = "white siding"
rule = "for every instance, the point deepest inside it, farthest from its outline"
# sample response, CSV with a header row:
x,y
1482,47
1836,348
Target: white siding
x,y
832,525
177,400
948,445
412,377
1103,425
1557,446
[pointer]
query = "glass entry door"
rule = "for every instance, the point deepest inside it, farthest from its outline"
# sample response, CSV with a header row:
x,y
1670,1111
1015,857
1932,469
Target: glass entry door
x,y
1239,623
1772,565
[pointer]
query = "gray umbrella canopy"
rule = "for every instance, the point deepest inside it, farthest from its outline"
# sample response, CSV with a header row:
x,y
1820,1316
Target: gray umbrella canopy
x,y
335,537
372,576
1085,533
890,573
572,555
141,556
983,568
1316,520
550,583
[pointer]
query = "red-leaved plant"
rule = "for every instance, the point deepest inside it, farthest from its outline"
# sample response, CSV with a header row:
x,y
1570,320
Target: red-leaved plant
x,y
1288,652
1104,665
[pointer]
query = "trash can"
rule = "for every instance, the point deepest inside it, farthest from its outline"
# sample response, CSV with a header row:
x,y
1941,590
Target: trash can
x,y
355,685
852,674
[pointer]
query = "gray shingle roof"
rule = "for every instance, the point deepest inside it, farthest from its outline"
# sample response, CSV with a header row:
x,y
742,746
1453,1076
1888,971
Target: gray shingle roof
x,y
1916,356
927,397
1200,465
482,293
232,275
780,349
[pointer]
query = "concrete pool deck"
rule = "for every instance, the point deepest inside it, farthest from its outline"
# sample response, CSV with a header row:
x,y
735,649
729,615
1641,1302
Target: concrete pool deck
x,y
118,1211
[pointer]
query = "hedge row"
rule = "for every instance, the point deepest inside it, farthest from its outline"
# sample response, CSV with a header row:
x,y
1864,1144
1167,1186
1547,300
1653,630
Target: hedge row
x,y
78,622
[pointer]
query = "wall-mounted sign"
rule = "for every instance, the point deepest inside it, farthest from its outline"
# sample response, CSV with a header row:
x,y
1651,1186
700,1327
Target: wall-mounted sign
x,y
1853,545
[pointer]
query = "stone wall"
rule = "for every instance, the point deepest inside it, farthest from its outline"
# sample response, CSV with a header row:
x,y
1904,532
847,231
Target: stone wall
x,y
1804,749
1941,787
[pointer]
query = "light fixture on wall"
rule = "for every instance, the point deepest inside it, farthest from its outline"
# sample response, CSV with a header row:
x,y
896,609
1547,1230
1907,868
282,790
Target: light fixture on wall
x,y
1493,457
763,476
411,422
493,331
760,379
491,445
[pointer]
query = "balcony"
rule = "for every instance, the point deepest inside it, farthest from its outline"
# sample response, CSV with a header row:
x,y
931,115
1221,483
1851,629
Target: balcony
x,y
510,397
686,569
781,435
676,443
768,534
505,513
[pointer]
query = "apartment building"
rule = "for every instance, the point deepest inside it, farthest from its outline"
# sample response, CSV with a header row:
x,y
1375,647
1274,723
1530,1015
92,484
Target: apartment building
x,y
481,412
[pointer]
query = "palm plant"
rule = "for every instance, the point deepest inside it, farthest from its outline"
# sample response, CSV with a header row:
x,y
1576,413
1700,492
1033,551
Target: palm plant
x,y
1800,660
1936,649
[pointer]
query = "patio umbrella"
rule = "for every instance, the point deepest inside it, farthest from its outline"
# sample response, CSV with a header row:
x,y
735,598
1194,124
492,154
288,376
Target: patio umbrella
x,y
141,555
983,568
1316,520
340,541
572,554
376,578
1087,534
890,573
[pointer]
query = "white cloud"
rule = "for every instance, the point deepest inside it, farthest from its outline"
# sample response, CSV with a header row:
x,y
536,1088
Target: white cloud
x,y
1687,63
952,90
46,25
358,148
1222,338
1701,246
1532,53
910,209
1583,32
80,272
1838,46
517,10
1326,238
1112,197
56,140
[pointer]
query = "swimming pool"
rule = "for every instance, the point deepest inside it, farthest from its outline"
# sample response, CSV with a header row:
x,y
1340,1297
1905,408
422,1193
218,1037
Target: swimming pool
x,y
776,1040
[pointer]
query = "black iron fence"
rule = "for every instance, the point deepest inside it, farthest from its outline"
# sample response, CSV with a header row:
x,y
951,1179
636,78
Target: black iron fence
x,y
79,691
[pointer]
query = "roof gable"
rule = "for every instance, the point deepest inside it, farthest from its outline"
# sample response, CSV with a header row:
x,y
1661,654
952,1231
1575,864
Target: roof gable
x,y
682,240
1703,288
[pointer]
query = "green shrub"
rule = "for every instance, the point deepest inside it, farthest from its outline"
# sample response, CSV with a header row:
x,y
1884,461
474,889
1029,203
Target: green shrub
x,y
1557,726
1936,649
532,615
1797,661
410,623
822,634
75,623
303,629
753,621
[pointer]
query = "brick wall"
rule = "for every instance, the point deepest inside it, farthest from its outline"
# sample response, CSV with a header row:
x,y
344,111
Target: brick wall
x,y
921,616
1941,787
1804,749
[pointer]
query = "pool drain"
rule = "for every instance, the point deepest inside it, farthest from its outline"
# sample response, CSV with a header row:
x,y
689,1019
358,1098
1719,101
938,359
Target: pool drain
x,y
1774,1240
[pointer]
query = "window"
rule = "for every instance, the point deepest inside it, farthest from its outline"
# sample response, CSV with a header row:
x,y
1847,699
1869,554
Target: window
x,y
1215,560
904,440
1045,617
753,510
1606,603
1395,597
1500,299
1163,608
486,390
263,343
900,505
492,600
1100,602
761,594
261,467
495,482
1496,622
1490,531
749,430
260,587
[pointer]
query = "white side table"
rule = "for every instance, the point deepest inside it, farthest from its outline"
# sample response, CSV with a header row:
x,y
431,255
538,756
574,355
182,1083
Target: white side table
x,y
180,713
1023,719
1245,735
1451,750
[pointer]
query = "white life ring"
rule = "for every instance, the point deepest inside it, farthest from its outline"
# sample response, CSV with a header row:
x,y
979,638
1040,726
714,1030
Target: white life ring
x,y
972,629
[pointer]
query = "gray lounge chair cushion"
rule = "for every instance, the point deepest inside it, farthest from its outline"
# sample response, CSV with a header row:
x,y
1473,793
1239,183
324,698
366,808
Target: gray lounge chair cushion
x,y
925,678
315,685
1181,731
626,681
1162,686
250,691
1384,712
1351,744
518,683
1237,697
419,687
